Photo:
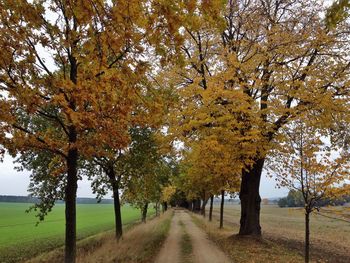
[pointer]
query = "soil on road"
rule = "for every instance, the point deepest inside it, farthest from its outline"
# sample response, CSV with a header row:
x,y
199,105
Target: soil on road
x,y
170,252
203,250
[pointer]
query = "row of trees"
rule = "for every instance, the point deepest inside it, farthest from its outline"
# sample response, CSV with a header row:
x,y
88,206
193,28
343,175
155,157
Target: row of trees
x,y
295,199
77,99
99,89
262,84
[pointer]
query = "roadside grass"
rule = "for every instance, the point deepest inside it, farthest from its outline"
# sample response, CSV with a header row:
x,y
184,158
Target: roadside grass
x,y
20,239
185,244
246,250
85,245
330,237
140,244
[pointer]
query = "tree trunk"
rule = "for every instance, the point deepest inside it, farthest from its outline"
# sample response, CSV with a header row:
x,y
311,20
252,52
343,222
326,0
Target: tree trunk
x,y
190,205
116,200
157,209
72,175
117,214
222,208
70,201
204,203
144,213
164,206
307,237
250,200
197,205
211,207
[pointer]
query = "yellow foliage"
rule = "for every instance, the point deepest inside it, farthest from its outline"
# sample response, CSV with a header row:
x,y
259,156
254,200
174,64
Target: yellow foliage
x,y
168,192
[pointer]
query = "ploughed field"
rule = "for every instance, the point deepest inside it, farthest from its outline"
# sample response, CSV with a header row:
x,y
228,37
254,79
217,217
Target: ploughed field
x,y
330,232
20,238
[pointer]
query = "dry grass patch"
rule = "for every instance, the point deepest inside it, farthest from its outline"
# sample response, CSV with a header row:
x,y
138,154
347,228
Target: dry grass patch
x,y
244,249
140,243
330,237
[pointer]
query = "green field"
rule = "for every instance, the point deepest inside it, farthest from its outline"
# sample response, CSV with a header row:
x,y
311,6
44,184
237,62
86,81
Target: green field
x,y
20,238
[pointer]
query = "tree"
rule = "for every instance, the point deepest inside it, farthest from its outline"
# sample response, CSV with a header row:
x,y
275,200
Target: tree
x,y
310,168
211,207
208,172
146,172
286,68
294,199
262,63
106,174
167,194
337,12
47,180
69,76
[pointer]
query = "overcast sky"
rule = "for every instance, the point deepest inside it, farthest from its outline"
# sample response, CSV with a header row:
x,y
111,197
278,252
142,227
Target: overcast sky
x,y
16,183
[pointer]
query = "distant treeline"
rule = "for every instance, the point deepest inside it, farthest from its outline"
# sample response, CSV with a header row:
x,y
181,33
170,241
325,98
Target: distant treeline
x,y
295,199
30,199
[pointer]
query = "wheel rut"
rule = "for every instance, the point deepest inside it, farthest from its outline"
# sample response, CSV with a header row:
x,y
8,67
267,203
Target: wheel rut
x,y
203,249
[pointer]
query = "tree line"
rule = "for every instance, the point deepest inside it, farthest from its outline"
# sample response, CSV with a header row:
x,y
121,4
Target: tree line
x,y
30,199
295,199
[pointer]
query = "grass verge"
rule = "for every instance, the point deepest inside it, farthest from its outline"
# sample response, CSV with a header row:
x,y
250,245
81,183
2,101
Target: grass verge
x,y
245,249
140,243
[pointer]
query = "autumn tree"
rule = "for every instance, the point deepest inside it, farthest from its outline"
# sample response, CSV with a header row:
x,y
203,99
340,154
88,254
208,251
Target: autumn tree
x,y
209,118
312,167
69,75
208,170
107,172
286,67
167,193
262,63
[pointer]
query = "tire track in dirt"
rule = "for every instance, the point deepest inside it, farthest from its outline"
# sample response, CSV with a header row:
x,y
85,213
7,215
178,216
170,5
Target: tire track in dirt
x,y
170,251
204,250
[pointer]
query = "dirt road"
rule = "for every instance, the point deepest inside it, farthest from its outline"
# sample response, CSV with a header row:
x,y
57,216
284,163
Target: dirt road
x,y
170,252
204,250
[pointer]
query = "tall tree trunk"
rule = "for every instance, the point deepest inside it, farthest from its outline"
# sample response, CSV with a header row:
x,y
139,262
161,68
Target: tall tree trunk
x,y
222,208
70,201
116,200
117,214
307,236
211,207
72,174
144,213
250,200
